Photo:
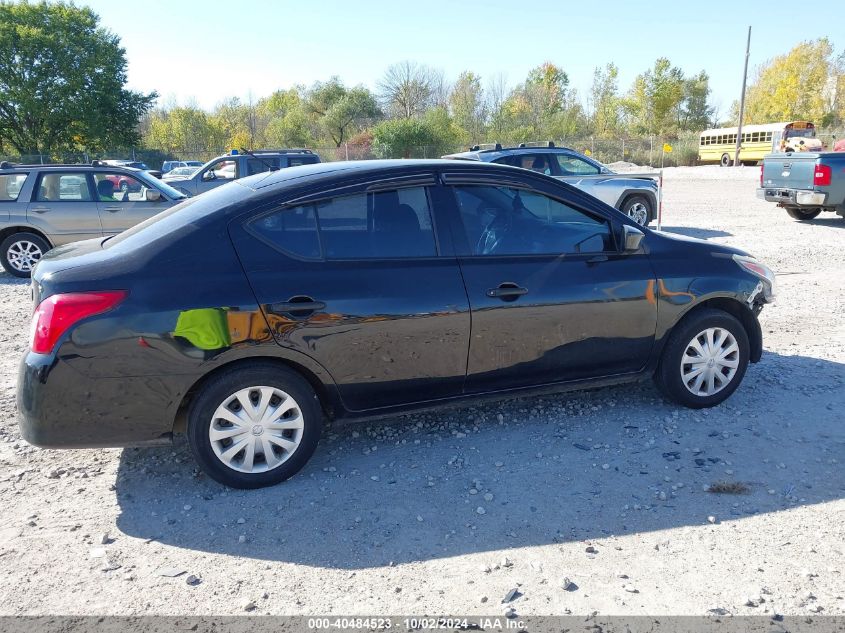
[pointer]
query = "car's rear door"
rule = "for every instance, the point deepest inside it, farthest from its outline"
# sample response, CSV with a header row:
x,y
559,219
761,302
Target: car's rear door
x,y
63,206
123,207
364,281
553,299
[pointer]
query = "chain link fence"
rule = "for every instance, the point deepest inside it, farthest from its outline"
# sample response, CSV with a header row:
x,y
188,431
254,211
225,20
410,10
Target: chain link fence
x,y
647,152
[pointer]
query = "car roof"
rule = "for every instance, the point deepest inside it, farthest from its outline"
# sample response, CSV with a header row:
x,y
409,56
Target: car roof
x,y
493,154
12,168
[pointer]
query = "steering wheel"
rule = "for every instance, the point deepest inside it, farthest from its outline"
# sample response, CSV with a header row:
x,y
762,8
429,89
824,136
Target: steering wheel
x,y
494,231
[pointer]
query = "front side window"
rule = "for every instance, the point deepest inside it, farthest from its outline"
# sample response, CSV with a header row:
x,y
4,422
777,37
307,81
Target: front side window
x,y
64,187
574,166
10,186
372,225
223,169
508,221
117,187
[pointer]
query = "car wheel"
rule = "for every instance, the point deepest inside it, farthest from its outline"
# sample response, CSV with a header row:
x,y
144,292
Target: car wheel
x,y
803,214
726,161
704,359
639,209
254,425
21,251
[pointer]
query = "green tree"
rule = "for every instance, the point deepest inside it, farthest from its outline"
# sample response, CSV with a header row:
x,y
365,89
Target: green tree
x,y
468,105
62,81
606,104
339,111
805,83
429,135
653,101
695,112
183,131
287,123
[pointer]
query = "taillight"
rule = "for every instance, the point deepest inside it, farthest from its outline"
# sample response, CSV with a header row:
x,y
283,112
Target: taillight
x,y
822,176
761,175
57,313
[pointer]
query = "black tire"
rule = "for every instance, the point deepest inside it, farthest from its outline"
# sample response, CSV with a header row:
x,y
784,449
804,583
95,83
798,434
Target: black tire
x,y
803,215
221,388
635,204
668,375
726,161
35,244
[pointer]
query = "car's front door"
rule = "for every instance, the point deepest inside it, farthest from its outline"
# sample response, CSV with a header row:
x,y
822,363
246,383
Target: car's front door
x,y
364,282
63,207
122,201
553,298
218,173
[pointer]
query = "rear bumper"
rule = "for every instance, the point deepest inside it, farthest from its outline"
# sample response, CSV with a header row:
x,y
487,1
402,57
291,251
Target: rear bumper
x,y
58,407
792,197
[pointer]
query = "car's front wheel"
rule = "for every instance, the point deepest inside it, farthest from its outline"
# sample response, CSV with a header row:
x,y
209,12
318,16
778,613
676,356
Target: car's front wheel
x,y
639,209
803,214
21,251
254,425
704,360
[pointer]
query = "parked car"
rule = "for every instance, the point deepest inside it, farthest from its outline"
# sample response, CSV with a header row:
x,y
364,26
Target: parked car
x,y
804,183
42,206
134,164
634,195
229,167
353,289
169,165
177,173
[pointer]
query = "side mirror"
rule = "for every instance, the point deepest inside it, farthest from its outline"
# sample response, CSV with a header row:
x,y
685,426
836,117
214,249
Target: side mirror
x,y
632,238
209,175
152,195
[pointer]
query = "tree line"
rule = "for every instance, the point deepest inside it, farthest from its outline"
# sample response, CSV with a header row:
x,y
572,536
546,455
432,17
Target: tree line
x,y
63,76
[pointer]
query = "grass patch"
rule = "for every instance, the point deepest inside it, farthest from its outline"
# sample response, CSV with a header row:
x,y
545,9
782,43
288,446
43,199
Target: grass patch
x,y
728,488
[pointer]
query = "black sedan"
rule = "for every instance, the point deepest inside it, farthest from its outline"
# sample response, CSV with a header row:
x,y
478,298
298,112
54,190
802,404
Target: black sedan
x,y
247,315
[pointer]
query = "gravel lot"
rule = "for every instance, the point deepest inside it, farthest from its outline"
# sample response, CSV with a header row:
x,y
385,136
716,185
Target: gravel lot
x,y
447,513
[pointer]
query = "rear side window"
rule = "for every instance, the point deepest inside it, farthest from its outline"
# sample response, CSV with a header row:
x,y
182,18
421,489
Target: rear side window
x,y
258,166
10,186
373,225
301,160
63,187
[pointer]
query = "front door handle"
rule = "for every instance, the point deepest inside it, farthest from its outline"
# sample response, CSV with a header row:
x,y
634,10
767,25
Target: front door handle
x,y
112,209
298,307
507,291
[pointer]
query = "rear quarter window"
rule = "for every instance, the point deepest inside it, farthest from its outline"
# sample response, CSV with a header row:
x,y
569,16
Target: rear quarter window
x,y
10,186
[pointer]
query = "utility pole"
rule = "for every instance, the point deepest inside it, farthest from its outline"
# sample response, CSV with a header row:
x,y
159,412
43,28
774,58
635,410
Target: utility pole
x,y
742,101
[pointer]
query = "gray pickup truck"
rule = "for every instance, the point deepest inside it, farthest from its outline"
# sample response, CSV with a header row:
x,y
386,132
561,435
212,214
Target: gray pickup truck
x,y
804,183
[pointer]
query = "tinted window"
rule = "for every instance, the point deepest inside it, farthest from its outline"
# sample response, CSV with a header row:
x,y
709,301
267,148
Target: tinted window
x,y
10,186
574,166
258,166
534,162
384,224
506,221
67,187
303,160
292,230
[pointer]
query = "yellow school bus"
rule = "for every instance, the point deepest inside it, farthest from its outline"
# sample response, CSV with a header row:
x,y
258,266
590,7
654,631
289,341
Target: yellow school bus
x,y
719,145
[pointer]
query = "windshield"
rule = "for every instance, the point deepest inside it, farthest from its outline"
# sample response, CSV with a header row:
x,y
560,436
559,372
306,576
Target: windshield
x,y
162,186
805,133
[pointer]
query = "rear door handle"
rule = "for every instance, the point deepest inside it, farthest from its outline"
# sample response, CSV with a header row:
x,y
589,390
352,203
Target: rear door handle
x,y
298,306
40,209
507,291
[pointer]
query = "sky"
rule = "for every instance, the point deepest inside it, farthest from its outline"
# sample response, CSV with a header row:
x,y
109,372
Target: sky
x,y
202,51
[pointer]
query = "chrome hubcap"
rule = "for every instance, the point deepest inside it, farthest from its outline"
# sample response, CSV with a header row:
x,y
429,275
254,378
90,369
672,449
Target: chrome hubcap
x,y
710,361
638,212
23,255
256,429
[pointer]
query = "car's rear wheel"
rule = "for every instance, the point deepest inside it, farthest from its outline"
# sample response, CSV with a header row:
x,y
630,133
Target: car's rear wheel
x,y
803,214
704,360
21,251
726,161
639,209
254,425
